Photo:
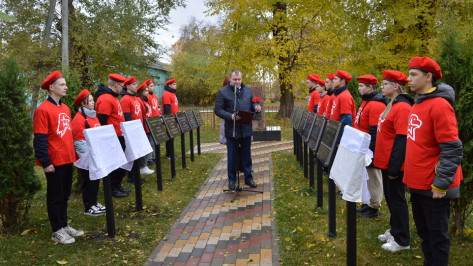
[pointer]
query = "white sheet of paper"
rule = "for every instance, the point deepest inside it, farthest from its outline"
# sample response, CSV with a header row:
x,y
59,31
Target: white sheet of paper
x,y
105,152
348,168
136,141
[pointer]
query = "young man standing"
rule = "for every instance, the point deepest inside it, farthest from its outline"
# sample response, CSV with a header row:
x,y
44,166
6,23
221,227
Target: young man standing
x,y
109,112
329,88
55,152
170,105
343,105
366,120
238,135
314,97
132,110
433,156
152,98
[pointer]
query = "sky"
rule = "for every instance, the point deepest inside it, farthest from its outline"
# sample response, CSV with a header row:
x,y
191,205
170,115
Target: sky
x,y
179,17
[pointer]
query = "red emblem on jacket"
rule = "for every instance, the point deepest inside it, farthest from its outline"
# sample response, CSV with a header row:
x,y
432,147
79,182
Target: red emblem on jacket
x,y
63,124
414,123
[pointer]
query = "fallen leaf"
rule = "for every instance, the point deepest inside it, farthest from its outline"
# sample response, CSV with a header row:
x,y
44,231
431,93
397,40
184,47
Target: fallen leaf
x,y
417,257
309,245
62,262
288,239
299,229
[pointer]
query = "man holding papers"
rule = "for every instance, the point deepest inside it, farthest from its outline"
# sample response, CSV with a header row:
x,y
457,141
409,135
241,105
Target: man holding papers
x,y
235,97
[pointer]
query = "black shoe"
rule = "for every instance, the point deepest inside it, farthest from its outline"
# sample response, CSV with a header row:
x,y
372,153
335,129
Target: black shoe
x,y
132,181
124,190
363,208
118,194
370,213
231,185
250,183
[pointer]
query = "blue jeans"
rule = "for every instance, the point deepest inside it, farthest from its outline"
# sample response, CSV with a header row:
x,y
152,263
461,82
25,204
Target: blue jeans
x,y
431,219
244,158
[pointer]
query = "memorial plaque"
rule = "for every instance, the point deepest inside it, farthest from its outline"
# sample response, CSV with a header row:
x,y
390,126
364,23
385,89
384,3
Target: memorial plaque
x,y
183,122
316,132
293,113
328,143
308,126
198,117
171,126
192,120
301,125
158,130
297,118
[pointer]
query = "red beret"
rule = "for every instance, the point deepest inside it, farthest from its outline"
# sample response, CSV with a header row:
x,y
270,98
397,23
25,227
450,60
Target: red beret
x,y
330,76
50,79
370,79
313,77
426,64
149,81
343,75
395,76
171,81
320,81
129,80
116,77
142,86
81,97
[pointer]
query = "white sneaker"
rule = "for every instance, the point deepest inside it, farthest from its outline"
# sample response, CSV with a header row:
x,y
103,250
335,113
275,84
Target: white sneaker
x,y
386,236
61,236
100,207
146,171
393,246
93,211
73,232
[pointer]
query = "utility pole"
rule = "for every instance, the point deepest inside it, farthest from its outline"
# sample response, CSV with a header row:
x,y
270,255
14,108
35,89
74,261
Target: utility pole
x,y
65,37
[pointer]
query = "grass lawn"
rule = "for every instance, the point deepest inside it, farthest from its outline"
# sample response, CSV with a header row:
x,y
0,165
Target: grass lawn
x,y
138,233
303,228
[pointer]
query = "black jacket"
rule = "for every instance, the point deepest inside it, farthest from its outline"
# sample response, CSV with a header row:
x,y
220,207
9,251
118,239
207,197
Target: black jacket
x,y
224,108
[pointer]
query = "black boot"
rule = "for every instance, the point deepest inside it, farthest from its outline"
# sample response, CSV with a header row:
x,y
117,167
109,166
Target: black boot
x,y
363,208
370,213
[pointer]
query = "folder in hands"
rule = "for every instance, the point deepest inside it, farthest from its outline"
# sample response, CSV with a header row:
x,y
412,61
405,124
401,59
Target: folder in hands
x,y
245,117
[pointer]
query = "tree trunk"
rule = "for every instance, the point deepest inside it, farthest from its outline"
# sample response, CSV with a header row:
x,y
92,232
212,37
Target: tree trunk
x,y
44,44
284,67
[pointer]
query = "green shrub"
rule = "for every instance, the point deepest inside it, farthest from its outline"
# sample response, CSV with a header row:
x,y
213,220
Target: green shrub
x,y
456,61
18,181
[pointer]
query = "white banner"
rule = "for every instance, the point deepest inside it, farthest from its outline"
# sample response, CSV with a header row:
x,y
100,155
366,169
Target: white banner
x,y
348,169
105,152
136,141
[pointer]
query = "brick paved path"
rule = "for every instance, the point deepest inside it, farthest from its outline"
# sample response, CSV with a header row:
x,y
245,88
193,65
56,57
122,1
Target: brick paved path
x,y
214,231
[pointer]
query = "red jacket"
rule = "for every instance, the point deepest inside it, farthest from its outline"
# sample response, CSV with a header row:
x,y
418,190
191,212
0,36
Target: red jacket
x,y
432,123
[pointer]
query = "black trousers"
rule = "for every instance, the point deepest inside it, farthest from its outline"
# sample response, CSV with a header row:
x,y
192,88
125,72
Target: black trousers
x,y
117,175
59,186
431,219
90,189
395,195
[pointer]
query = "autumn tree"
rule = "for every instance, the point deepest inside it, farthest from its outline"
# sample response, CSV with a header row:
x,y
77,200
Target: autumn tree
x,y
105,36
192,63
288,39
